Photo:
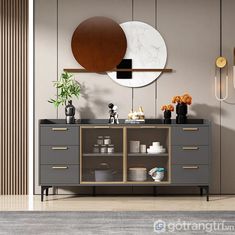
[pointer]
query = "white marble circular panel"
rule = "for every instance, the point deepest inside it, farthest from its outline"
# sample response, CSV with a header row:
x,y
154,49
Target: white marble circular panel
x,y
147,49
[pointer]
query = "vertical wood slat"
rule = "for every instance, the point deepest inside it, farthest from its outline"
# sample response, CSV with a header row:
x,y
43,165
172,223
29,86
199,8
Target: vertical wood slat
x,y
13,96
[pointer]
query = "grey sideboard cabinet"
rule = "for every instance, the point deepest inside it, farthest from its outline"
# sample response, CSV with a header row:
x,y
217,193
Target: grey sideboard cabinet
x,y
67,157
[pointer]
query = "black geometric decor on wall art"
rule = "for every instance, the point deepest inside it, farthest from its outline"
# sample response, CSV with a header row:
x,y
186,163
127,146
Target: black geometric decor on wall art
x,y
125,64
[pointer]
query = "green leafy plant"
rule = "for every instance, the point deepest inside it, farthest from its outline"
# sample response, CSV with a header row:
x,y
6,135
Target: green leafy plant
x,y
67,88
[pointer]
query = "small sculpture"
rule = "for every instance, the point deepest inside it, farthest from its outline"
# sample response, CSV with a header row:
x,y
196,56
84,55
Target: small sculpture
x,y
113,118
136,115
157,174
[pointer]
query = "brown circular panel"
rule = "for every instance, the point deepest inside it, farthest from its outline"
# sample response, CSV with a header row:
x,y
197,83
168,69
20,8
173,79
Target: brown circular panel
x,y
99,44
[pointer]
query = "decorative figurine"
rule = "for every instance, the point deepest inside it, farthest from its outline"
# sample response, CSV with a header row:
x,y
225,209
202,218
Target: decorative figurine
x,y
157,174
70,112
136,115
113,118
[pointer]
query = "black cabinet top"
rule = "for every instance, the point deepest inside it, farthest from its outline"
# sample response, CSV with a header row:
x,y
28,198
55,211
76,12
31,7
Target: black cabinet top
x,y
122,122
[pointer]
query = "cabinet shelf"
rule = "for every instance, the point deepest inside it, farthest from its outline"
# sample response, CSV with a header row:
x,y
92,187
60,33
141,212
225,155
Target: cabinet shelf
x,y
102,154
147,155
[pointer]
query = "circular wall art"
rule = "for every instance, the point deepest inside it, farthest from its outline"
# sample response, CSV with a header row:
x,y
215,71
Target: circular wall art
x,y
145,49
99,44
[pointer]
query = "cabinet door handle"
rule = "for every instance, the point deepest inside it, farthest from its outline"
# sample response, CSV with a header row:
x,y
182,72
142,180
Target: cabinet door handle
x,y
190,148
101,127
60,167
190,129
59,148
150,127
190,167
59,129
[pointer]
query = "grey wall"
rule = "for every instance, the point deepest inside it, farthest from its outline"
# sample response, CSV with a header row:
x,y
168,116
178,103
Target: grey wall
x,y
191,29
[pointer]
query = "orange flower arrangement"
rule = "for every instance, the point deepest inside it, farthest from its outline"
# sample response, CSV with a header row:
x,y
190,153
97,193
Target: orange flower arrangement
x,y
185,98
169,107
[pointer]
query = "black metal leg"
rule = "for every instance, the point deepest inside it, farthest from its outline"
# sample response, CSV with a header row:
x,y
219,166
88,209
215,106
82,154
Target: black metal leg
x,y
207,193
43,188
42,191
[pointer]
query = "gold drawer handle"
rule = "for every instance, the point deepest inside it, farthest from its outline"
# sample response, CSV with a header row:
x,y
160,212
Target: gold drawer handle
x,y
190,167
190,148
190,129
59,148
60,167
59,129
101,127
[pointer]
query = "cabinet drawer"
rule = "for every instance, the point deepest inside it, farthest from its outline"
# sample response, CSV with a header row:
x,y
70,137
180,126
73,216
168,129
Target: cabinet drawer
x,y
59,155
190,154
65,135
59,174
190,135
195,174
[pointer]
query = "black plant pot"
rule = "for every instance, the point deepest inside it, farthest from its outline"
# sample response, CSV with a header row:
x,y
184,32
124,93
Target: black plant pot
x,y
70,112
167,117
181,111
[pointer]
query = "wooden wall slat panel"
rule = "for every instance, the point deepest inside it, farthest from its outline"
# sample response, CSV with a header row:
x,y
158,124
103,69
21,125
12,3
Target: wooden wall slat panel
x,y
13,96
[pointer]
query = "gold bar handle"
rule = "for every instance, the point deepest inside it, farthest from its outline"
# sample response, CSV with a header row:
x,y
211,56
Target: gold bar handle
x,y
60,167
101,127
190,167
190,129
190,148
59,129
59,148
150,127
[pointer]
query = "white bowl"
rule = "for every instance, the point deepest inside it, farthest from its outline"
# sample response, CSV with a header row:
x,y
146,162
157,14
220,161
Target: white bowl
x,y
156,144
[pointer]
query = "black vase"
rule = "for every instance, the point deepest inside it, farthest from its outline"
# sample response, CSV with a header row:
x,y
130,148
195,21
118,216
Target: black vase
x,y
181,111
70,112
167,117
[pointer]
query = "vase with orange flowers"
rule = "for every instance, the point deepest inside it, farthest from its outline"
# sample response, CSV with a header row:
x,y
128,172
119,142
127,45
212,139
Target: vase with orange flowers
x,y
167,113
182,107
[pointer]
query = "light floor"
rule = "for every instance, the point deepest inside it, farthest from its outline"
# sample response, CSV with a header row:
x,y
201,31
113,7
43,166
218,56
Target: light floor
x,y
117,203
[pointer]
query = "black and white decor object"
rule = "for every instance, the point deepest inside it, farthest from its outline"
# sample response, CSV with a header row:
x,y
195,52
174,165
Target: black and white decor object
x,y
146,49
113,114
70,112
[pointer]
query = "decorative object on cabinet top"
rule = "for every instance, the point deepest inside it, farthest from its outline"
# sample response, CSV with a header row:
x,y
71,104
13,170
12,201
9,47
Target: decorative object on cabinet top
x,y
136,117
67,88
113,114
167,113
182,107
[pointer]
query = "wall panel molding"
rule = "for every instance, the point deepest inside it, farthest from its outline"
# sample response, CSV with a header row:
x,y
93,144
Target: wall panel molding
x,y
13,97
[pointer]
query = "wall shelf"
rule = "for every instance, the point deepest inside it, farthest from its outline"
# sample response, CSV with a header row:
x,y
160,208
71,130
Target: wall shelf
x,y
119,70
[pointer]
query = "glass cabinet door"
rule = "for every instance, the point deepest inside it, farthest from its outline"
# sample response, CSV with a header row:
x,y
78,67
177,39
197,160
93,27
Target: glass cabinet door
x,y
101,154
148,148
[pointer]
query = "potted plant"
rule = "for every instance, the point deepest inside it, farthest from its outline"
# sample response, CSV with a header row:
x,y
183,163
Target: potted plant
x,y
67,88
182,107
167,113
